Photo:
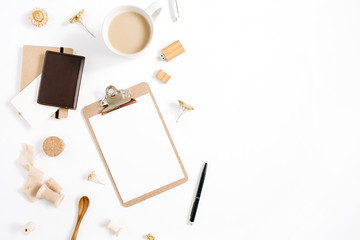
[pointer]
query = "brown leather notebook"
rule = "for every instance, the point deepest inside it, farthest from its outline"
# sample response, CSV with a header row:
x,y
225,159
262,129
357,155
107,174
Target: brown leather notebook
x,y
60,80
32,65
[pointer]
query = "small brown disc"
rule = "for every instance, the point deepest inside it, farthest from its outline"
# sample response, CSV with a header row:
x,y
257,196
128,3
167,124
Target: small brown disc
x,y
53,146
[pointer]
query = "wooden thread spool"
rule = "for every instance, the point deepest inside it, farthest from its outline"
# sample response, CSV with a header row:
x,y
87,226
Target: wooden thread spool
x,y
53,185
115,228
28,228
50,195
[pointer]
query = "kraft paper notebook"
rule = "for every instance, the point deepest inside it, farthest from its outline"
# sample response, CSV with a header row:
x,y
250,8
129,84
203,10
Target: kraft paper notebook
x,y
136,147
32,65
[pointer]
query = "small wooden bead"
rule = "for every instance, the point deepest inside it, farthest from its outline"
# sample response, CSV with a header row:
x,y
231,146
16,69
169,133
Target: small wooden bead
x,y
163,76
50,195
115,228
28,228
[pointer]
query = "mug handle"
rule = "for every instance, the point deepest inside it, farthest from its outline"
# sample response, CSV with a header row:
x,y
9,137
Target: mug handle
x,y
154,10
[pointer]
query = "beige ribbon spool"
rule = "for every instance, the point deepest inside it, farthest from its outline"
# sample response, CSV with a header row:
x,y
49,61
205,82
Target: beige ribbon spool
x,y
50,195
33,183
53,185
28,228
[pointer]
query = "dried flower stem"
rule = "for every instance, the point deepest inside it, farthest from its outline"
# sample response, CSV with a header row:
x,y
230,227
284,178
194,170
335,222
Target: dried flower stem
x,y
183,108
78,18
180,114
93,178
86,29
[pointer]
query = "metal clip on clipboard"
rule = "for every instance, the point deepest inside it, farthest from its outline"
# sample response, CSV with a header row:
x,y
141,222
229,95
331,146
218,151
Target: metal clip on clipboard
x,y
115,99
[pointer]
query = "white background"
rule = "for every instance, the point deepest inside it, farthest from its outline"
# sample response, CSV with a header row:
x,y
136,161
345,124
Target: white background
x,y
275,86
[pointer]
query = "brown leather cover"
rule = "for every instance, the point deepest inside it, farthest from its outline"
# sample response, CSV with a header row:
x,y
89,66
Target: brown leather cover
x,y
60,80
32,65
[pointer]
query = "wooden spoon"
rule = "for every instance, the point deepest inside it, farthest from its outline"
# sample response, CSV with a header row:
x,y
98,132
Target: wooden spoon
x,y
83,206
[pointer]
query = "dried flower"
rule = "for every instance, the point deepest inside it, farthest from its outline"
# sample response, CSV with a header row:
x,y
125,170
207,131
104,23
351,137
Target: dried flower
x,y
150,237
78,18
93,178
38,17
183,108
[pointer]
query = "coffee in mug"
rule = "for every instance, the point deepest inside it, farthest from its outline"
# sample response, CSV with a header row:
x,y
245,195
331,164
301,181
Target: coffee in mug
x,y
129,32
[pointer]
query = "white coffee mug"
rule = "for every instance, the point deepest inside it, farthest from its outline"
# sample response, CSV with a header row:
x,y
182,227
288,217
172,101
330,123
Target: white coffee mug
x,y
150,14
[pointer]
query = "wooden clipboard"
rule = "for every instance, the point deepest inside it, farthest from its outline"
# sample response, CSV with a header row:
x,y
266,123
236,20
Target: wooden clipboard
x,y
136,92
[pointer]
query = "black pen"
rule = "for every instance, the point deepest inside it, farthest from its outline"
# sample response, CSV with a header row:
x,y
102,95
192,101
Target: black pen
x,y
198,194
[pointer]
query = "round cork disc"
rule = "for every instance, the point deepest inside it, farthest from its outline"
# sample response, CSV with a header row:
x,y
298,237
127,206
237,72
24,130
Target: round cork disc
x,y
53,146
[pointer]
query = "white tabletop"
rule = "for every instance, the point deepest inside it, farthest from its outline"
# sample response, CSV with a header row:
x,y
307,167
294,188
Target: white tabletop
x,y
275,86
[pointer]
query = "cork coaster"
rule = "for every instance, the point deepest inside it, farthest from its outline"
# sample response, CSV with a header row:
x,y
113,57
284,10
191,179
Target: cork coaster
x,y
53,146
